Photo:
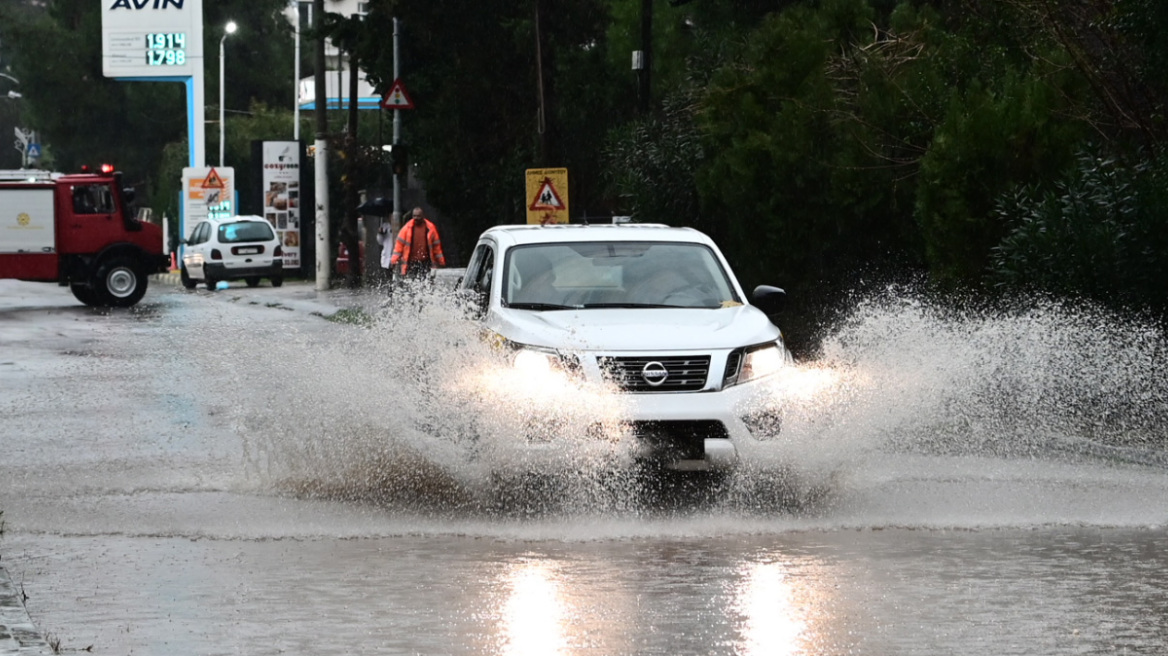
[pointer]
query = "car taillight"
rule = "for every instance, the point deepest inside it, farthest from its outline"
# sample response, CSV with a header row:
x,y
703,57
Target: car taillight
x,y
215,254
279,252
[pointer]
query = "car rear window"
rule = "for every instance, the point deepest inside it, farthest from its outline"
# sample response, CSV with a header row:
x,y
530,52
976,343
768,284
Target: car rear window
x,y
245,231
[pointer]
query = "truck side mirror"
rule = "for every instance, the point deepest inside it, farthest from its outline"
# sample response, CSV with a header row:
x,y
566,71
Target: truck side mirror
x,y
769,299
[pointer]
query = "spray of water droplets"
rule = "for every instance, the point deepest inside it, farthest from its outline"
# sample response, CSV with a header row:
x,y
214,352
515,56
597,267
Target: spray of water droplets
x,y
416,408
1049,378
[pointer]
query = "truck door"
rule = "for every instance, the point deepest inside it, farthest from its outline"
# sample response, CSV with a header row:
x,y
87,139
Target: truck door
x,y
89,218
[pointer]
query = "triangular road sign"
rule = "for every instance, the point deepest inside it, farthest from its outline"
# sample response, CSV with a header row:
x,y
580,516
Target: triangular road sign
x,y
547,198
213,181
397,98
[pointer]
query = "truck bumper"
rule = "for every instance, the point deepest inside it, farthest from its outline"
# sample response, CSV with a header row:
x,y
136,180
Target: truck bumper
x,y
159,263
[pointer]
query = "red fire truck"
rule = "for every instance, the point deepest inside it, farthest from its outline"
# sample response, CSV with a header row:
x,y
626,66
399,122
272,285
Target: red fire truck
x,y
77,231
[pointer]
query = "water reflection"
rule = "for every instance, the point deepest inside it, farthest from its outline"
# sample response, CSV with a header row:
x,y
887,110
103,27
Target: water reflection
x,y
773,624
533,613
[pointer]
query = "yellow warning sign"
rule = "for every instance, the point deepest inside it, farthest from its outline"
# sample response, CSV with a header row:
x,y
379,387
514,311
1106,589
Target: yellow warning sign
x,y
547,194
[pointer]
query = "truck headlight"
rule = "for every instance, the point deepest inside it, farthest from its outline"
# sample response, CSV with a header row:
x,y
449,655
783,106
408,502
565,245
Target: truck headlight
x,y
528,360
534,361
755,362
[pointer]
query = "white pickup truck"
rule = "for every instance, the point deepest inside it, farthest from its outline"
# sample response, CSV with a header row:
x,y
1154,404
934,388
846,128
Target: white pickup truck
x,y
650,315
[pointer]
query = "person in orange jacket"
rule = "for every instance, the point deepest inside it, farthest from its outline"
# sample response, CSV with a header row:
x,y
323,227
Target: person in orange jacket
x,y
418,248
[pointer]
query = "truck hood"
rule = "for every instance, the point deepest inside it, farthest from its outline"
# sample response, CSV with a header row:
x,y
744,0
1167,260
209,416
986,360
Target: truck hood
x,y
672,329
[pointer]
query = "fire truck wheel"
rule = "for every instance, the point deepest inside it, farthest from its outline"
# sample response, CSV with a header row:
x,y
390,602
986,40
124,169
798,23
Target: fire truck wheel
x,y
186,278
84,293
119,282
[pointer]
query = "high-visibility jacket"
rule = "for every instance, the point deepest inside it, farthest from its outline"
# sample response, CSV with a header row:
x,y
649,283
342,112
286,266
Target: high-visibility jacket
x,y
403,246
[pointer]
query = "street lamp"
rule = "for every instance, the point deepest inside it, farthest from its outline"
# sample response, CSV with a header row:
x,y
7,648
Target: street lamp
x,y
229,28
23,137
11,93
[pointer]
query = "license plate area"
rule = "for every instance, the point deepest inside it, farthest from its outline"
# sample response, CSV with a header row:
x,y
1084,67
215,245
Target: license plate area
x,y
677,440
247,250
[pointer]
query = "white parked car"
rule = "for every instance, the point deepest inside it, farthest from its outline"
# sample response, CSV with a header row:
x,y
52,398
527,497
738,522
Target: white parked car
x,y
236,248
653,315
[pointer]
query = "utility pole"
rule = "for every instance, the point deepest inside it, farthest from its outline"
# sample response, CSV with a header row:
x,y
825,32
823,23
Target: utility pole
x,y
646,54
395,218
323,252
350,231
541,114
296,74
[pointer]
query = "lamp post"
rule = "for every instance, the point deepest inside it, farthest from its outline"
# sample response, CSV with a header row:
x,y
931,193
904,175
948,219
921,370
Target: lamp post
x,y
11,93
23,137
229,28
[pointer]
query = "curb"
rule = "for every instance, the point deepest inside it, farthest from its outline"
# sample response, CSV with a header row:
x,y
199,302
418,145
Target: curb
x,y
18,635
172,279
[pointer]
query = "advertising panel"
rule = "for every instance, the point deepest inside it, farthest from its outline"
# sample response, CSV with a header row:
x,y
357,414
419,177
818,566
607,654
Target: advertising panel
x,y
151,38
282,195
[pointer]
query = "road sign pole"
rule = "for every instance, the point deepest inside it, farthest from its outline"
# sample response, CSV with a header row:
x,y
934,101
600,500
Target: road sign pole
x,y
395,218
320,159
22,140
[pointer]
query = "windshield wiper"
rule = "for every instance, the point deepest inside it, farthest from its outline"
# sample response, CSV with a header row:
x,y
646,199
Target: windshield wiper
x,y
541,306
629,305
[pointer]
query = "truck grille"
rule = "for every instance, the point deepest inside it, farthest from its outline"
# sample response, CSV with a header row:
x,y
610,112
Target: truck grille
x,y
640,374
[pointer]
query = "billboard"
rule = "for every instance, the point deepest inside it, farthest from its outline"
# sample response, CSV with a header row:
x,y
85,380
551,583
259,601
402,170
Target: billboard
x,y
282,199
151,38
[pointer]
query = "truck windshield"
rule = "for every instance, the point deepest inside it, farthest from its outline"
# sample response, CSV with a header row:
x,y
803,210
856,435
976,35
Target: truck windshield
x,y
615,274
245,231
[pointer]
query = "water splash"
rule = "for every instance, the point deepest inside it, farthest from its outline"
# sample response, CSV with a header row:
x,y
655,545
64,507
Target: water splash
x,y
410,412
1051,377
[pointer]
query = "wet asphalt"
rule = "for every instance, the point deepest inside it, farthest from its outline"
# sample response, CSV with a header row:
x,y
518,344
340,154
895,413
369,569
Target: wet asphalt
x,y
19,636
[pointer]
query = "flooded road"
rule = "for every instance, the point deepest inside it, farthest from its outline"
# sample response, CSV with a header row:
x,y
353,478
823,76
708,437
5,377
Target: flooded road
x,y
232,473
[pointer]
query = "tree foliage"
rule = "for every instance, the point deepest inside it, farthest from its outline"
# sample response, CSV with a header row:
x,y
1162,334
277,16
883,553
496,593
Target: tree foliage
x,y
473,71
816,140
1098,232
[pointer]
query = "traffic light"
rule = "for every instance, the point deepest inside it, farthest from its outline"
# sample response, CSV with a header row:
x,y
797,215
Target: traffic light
x,y
399,157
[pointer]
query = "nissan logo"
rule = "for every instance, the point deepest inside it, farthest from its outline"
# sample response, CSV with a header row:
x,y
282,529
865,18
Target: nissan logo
x,y
654,373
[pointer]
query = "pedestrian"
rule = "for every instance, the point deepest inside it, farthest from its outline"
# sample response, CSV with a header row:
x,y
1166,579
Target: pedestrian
x,y
385,238
417,249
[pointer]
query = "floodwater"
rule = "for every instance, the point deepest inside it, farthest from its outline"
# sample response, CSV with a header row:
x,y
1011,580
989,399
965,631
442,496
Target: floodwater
x,y
230,473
